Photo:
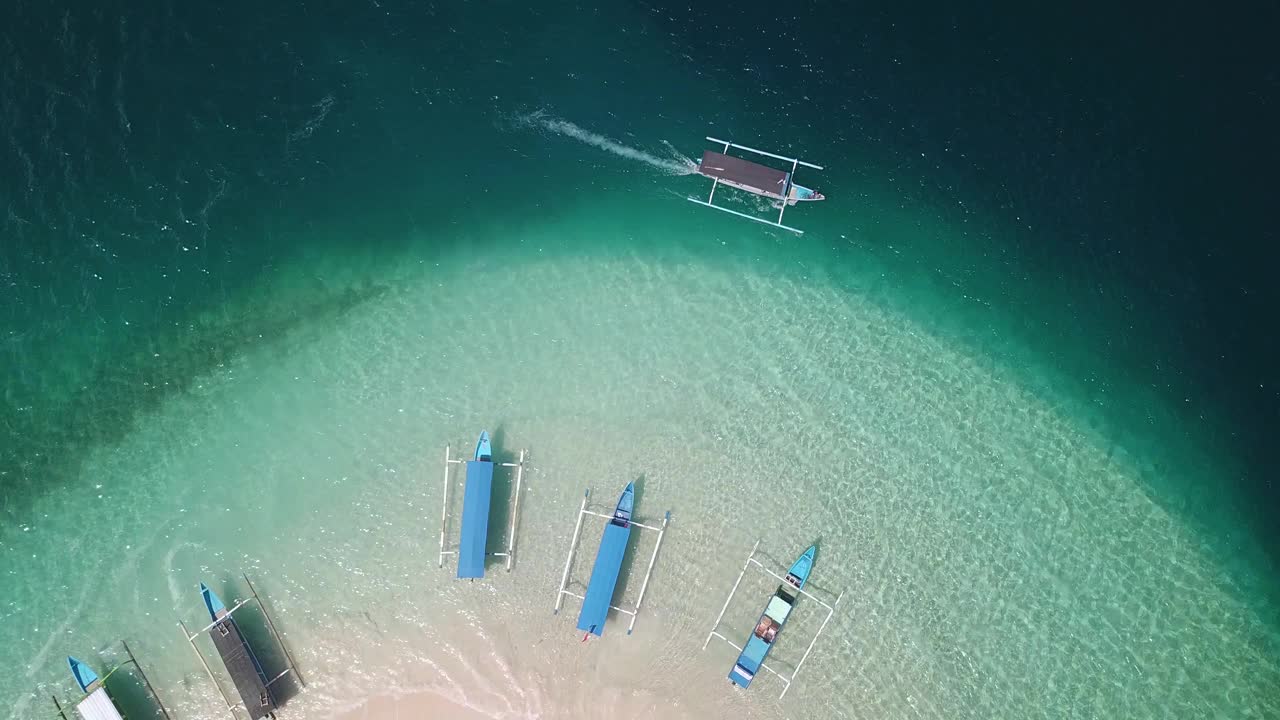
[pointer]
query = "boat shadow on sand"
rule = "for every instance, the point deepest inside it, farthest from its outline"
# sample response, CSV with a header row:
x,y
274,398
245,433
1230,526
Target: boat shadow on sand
x,y
502,503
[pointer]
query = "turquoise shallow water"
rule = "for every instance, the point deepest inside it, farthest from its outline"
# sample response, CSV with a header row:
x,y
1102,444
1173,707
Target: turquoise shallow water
x,y
997,561
246,311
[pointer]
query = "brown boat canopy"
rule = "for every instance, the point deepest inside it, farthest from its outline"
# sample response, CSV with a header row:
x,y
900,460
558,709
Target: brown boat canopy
x,y
750,176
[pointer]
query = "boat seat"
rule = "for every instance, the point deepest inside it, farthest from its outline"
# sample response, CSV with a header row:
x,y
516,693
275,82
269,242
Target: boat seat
x,y
753,654
778,609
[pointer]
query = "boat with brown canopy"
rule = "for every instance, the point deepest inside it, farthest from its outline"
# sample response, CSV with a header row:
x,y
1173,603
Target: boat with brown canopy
x,y
755,178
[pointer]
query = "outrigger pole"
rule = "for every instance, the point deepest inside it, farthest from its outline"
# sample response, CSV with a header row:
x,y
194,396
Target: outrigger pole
x,y
573,546
510,554
831,609
145,681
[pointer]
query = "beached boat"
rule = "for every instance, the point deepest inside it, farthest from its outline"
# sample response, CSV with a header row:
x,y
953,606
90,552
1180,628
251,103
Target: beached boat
x,y
755,178
772,620
477,497
242,664
598,600
604,573
751,656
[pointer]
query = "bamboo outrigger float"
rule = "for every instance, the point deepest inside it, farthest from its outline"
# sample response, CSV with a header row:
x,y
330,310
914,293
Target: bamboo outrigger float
x,y
752,654
97,703
477,494
757,179
238,657
598,599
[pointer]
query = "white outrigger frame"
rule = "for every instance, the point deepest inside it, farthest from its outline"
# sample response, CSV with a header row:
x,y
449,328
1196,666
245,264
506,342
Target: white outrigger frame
x,y
510,554
831,610
573,546
715,182
191,638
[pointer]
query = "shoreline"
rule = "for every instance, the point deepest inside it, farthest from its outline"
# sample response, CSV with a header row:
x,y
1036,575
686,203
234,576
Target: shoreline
x,y
422,704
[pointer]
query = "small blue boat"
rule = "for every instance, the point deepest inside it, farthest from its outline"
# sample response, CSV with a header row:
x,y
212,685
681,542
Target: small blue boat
x,y
771,621
604,574
475,510
242,665
83,674
96,703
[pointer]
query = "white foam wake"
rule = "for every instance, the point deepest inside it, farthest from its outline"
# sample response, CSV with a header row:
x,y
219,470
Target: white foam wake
x,y
676,164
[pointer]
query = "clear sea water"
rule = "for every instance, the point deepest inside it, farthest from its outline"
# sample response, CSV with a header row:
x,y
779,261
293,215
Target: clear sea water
x,y
260,263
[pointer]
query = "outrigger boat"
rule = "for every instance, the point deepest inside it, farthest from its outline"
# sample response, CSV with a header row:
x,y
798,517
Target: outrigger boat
x,y
608,563
757,179
476,499
243,666
97,703
772,620
777,612
238,657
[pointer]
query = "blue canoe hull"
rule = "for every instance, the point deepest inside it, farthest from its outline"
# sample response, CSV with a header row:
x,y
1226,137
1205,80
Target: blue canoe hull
x,y
772,620
604,573
476,499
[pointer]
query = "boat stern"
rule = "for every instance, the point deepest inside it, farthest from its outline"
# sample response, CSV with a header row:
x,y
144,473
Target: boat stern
x,y
741,676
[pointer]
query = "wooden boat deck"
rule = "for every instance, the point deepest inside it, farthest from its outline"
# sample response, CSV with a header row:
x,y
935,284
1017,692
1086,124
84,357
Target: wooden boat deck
x,y
243,668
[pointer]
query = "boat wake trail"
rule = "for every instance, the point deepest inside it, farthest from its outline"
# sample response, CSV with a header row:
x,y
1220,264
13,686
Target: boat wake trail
x,y
675,164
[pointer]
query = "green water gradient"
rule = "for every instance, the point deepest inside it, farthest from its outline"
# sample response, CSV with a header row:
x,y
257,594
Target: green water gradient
x,y
396,257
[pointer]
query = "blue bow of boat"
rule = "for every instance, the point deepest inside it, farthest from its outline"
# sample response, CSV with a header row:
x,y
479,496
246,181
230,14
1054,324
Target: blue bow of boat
x,y
212,602
484,450
82,673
